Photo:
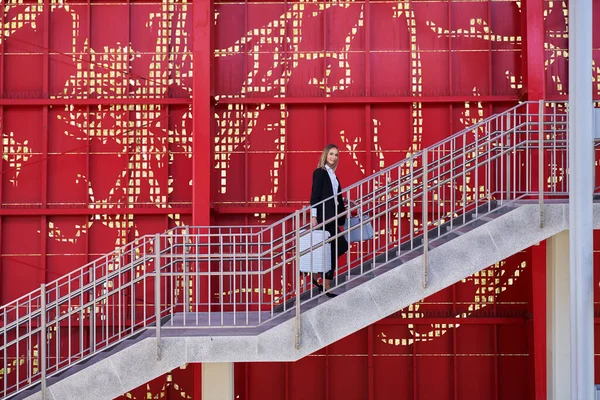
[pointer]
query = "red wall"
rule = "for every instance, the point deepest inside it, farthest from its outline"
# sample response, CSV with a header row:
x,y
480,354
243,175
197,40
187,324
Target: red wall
x,y
97,149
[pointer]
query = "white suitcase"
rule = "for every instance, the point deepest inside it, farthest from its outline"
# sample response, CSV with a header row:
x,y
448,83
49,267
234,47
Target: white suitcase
x,y
320,257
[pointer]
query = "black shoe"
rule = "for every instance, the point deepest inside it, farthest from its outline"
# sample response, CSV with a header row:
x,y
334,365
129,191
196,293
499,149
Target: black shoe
x,y
331,295
319,286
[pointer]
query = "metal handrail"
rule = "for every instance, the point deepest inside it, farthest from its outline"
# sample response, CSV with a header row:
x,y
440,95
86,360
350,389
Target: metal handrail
x,y
238,276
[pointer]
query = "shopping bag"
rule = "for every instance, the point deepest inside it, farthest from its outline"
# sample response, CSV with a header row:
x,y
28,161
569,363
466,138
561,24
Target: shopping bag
x,y
319,259
358,234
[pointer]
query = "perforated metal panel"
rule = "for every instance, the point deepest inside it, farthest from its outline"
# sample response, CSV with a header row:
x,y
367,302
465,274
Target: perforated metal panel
x,y
97,130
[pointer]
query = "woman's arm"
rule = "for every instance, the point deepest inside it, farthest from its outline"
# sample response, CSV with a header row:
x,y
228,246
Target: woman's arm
x,y
316,194
341,207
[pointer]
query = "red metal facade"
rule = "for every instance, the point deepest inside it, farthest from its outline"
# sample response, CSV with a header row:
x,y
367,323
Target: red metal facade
x,y
102,142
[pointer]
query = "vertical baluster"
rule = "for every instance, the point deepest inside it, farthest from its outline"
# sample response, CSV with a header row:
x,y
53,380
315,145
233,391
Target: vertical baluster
x,y
476,173
541,161
297,318
233,274
17,329
247,282
4,357
157,294
43,339
221,269
272,269
411,197
425,217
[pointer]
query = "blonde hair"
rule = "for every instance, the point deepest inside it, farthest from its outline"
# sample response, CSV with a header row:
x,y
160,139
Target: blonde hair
x,y
323,159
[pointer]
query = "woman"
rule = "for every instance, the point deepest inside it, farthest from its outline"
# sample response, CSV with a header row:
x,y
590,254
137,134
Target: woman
x,y
324,184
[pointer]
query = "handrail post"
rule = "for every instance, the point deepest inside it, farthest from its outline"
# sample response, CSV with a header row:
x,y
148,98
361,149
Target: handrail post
x,y
425,221
508,172
297,320
43,339
157,292
185,240
541,161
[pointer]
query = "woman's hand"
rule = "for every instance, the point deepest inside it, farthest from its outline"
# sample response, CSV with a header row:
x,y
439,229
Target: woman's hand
x,y
313,222
350,203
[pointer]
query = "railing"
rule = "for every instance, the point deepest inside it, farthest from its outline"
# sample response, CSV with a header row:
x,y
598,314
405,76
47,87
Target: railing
x,y
246,277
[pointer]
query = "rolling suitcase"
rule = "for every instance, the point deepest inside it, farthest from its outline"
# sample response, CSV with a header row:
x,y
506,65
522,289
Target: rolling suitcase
x,y
320,256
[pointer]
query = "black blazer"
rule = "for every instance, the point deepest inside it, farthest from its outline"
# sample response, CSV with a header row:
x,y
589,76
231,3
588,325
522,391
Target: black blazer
x,y
322,189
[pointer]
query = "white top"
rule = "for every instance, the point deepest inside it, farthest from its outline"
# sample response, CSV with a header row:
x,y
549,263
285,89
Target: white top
x,y
334,184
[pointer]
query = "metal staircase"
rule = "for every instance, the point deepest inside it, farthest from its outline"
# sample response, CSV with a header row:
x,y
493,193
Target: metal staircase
x,y
197,294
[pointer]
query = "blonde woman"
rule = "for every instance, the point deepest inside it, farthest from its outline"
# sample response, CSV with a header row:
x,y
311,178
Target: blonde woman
x,y
324,185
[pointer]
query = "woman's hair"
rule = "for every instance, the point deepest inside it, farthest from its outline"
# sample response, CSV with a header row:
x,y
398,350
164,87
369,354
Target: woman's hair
x,y
323,159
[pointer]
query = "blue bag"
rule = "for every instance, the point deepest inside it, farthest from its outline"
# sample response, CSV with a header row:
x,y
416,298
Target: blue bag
x,y
360,233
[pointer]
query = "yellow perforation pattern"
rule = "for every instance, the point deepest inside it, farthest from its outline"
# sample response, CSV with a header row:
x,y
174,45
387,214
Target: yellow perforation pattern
x,y
489,284
15,154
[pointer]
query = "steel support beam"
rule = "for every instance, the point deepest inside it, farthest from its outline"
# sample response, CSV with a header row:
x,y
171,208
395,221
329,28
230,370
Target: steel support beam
x,y
197,381
366,100
534,88
534,69
51,211
37,100
581,168
202,53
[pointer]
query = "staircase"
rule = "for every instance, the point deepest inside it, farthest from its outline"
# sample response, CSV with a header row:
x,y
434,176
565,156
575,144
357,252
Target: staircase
x,y
202,294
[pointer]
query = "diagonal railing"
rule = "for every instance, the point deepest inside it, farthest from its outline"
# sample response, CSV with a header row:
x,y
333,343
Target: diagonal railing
x,y
247,277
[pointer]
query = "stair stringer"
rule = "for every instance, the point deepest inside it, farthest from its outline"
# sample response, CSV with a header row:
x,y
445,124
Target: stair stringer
x,y
331,320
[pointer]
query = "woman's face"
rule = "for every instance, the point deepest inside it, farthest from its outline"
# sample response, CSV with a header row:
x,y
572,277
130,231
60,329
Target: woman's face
x,y
332,157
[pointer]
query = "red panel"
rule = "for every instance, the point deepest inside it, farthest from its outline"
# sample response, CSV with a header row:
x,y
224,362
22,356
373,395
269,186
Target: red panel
x,y
513,369
385,79
21,178
507,344
556,57
305,130
258,390
347,377
389,386
434,340
18,65
505,64
307,379
139,157
464,81
355,344
66,180
475,340
394,34
434,377
439,84
120,34
475,377
25,274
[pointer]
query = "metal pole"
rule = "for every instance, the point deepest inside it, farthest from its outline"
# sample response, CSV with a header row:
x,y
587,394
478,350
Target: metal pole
x,y
157,292
297,324
541,160
186,281
425,222
43,339
581,164
508,168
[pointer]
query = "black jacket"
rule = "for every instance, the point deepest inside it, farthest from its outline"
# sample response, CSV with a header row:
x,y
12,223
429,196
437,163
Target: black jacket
x,y
321,190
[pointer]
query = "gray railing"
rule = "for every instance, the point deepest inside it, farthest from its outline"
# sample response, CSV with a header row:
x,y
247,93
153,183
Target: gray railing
x,y
245,277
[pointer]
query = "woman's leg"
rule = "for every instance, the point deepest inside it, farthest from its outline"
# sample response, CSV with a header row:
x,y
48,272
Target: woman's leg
x,y
331,228
315,281
342,246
